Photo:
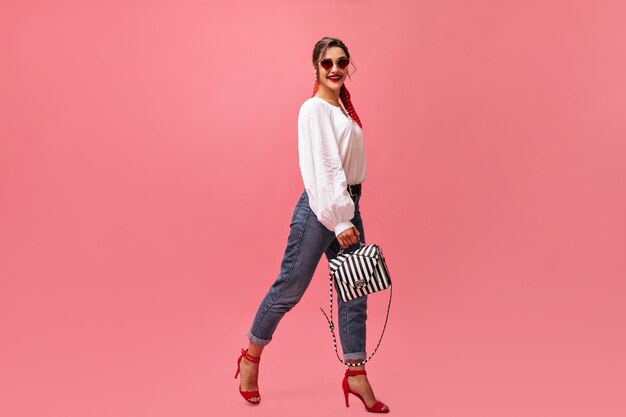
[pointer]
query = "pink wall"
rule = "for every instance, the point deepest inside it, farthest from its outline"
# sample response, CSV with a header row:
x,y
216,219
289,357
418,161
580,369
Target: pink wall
x,y
148,169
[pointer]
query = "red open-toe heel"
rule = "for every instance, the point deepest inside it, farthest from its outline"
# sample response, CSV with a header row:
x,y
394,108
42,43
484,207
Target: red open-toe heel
x,y
376,408
248,395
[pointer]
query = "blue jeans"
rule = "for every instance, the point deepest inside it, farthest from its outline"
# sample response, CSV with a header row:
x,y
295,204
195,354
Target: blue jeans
x,y
308,240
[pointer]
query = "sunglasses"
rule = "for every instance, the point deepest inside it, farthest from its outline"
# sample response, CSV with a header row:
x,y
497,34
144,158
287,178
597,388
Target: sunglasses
x,y
327,63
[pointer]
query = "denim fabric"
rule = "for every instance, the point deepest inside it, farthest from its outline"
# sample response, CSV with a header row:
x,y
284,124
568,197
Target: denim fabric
x,y
308,240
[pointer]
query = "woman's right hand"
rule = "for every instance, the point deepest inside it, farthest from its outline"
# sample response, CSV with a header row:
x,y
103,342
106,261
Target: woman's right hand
x,y
349,237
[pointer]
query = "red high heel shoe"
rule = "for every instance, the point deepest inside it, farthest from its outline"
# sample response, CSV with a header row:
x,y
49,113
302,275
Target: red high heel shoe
x,y
248,395
376,408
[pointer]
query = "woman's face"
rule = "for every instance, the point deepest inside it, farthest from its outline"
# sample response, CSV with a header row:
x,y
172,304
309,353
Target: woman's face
x,y
334,77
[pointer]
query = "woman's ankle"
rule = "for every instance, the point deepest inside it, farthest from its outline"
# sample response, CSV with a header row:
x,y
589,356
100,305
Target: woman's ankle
x,y
255,350
355,368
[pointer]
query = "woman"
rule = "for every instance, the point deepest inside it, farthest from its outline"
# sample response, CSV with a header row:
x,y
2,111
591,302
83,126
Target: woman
x,y
326,218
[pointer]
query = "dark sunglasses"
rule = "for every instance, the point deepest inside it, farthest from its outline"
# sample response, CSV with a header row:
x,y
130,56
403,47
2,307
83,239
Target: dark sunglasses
x,y
327,63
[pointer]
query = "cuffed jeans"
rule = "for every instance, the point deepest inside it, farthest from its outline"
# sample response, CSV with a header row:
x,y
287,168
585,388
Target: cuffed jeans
x,y
308,240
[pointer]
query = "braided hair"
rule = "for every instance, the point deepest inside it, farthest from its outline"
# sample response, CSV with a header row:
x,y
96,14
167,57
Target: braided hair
x,y
320,48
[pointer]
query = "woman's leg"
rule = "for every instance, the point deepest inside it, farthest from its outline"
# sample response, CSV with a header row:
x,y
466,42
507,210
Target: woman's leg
x,y
308,239
306,243
352,317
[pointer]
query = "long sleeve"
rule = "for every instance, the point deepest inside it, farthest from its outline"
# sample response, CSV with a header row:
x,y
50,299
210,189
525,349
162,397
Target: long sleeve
x,y
322,170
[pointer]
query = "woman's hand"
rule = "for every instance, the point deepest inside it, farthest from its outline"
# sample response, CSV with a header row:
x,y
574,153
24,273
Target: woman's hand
x,y
349,237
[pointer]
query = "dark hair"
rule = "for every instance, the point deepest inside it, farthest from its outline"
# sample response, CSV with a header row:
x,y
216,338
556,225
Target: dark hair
x,y
318,52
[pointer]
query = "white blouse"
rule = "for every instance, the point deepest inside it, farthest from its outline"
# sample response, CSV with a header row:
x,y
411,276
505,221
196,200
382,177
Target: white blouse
x,y
331,155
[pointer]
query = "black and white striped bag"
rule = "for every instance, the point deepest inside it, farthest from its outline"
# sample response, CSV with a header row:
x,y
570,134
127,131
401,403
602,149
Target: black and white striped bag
x,y
357,274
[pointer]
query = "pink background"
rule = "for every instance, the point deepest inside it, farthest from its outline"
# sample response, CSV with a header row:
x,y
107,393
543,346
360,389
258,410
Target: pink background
x,y
148,171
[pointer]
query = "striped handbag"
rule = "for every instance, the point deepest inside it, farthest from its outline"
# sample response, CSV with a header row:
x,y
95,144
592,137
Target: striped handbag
x,y
357,274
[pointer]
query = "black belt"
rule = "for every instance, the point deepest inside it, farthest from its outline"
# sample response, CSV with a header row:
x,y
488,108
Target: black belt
x,y
354,189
